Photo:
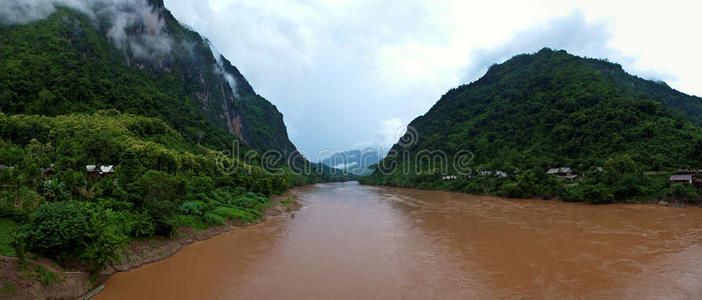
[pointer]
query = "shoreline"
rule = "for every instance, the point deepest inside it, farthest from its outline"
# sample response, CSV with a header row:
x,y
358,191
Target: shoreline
x,y
137,253
661,202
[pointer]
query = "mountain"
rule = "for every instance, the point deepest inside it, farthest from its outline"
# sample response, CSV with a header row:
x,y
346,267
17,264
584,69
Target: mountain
x,y
355,162
544,110
117,123
133,56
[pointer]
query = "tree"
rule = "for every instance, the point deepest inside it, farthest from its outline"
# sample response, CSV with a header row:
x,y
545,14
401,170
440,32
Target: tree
x,y
55,190
56,229
46,98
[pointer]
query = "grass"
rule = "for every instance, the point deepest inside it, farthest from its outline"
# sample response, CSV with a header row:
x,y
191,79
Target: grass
x,y
192,222
8,289
6,228
287,202
40,274
235,214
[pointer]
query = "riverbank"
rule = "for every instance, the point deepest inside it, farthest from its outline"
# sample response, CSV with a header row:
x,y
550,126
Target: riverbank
x,y
353,241
666,197
44,279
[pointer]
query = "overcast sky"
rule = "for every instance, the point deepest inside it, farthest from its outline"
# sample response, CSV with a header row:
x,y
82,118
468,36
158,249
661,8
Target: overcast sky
x,y
349,73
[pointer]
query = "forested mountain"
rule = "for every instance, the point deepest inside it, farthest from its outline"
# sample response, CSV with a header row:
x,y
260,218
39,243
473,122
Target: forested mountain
x,y
134,57
545,110
118,123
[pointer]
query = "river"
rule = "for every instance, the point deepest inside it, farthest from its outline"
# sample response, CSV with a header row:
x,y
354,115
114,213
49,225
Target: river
x,y
351,241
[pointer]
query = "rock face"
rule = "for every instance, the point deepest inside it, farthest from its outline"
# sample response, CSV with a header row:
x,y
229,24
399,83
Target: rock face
x,y
231,101
133,56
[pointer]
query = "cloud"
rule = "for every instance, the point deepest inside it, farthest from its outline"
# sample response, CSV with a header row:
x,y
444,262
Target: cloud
x,y
345,166
338,69
149,42
21,12
572,33
219,68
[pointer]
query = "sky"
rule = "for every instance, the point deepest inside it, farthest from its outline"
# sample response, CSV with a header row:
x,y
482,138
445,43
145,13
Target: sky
x,y
348,74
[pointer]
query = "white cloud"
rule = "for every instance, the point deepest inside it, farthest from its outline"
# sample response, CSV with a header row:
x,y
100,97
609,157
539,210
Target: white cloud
x,y
345,72
341,70
152,43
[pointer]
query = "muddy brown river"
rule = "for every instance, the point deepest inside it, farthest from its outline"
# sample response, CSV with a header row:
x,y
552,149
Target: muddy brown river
x,y
361,242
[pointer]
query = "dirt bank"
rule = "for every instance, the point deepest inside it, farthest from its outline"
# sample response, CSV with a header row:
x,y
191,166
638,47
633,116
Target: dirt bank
x,y
44,279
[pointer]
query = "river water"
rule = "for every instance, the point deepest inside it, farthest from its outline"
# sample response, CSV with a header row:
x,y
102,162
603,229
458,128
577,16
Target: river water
x,y
351,241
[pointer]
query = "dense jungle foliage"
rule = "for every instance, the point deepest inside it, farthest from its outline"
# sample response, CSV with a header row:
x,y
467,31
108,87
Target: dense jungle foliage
x,y
548,110
65,64
69,97
161,183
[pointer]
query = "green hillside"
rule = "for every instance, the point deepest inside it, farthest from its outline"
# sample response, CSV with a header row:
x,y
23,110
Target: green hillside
x,y
65,63
151,99
553,109
161,182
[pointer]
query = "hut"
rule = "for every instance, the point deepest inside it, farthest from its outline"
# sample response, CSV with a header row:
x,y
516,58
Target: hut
x,y
449,178
563,173
92,171
500,174
680,178
48,171
484,173
107,170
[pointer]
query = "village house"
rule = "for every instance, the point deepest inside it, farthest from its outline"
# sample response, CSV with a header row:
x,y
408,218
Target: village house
x,y
500,174
680,178
687,176
94,171
563,173
107,170
48,171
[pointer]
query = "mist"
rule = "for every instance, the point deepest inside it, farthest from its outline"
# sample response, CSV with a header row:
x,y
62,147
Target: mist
x,y
149,42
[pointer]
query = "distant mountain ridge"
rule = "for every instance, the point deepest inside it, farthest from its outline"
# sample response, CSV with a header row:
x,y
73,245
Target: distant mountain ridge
x,y
355,162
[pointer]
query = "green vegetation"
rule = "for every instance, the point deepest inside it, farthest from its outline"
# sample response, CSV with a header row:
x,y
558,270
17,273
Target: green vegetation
x,y
8,289
552,109
65,64
7,227
162,182
69,97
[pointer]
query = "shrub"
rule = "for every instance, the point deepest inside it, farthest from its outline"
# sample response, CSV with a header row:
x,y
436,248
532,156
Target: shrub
x,y
510,190
55,190
597,194
194,208
163,215
141,225
684,193
162,194
56,229
213,219
105,237
156,185
200,184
